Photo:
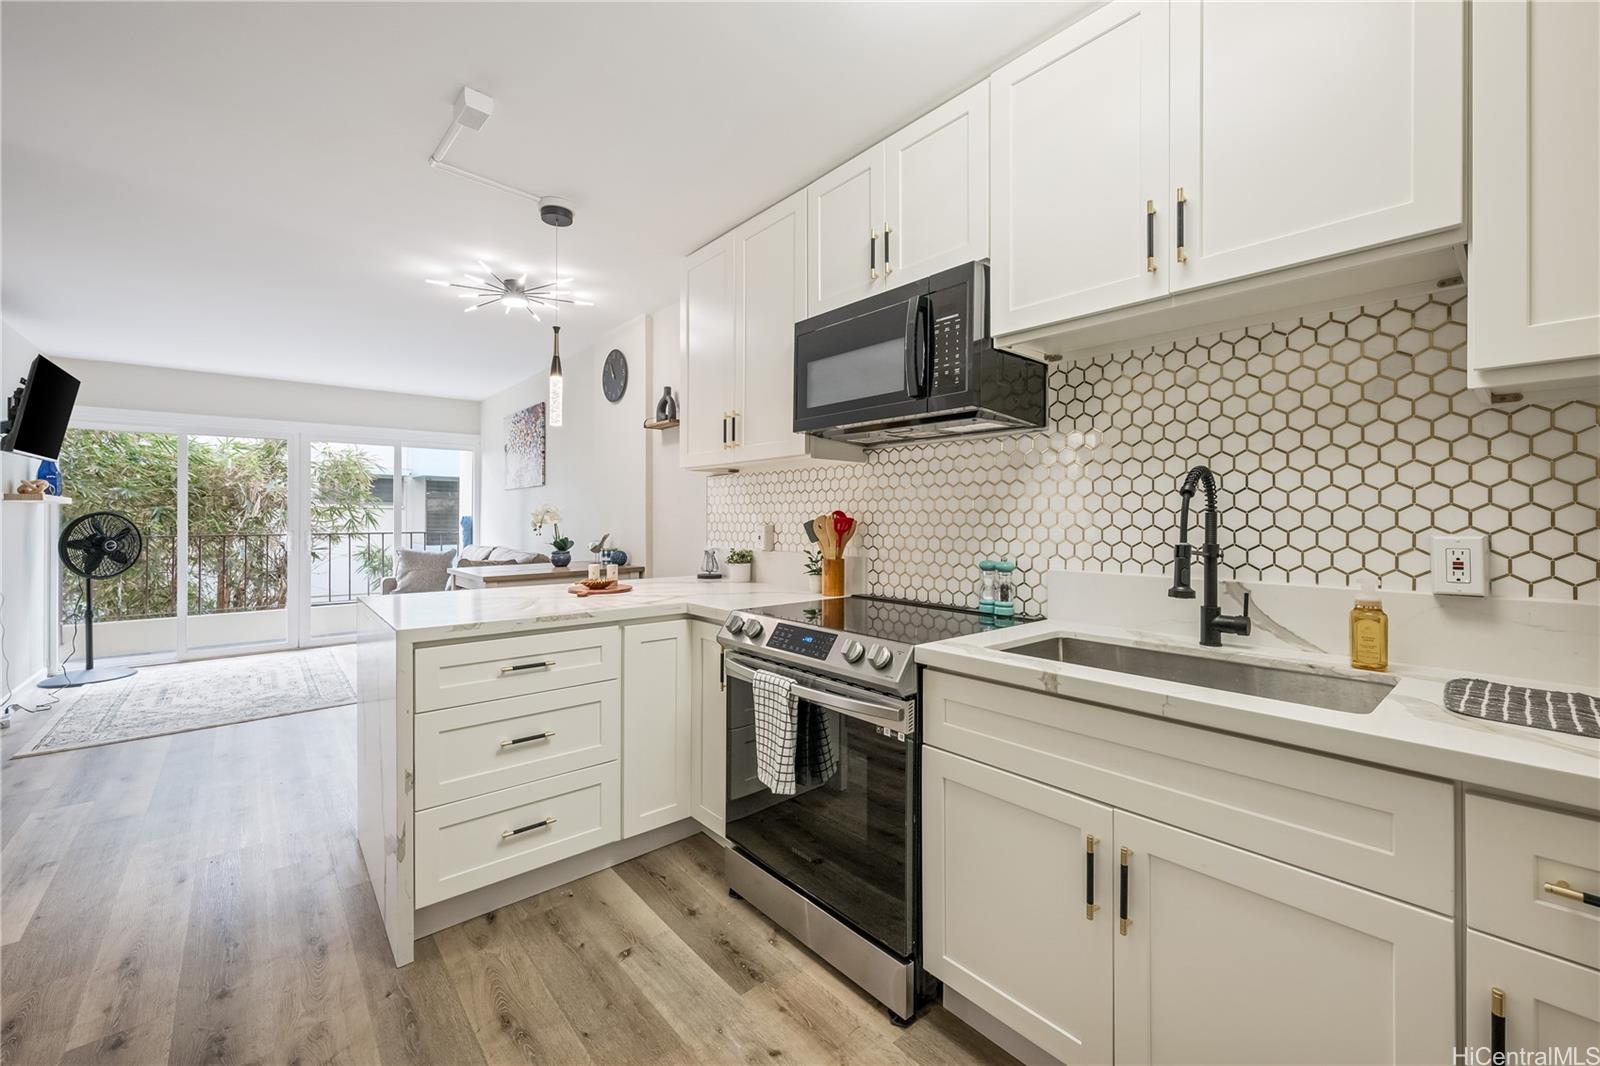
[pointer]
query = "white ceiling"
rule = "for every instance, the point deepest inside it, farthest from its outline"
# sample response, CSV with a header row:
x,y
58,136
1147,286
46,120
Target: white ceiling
x,y
244,188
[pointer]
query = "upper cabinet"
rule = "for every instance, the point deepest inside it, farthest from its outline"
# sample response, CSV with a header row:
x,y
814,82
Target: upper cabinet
x,y
1535,250
1158,165
706,338
1078,150
1307,130
936,190
903,209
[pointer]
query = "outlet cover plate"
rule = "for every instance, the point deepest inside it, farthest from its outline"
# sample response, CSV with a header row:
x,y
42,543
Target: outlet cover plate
x,y
1460,564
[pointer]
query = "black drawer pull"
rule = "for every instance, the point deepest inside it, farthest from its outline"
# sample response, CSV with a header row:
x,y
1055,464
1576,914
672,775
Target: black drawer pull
x,y
546,735
519,667
540,824
1497,1025
1183,254
1566,891
1150,236
1122,904
1089,906
888,267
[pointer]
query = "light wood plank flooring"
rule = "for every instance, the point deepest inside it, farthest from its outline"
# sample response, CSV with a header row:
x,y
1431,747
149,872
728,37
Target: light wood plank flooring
x,y
199,898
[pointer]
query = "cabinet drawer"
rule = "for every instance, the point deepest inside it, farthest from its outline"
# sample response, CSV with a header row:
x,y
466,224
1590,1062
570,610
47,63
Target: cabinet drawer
x,y
472,671
1513,852
467,751
465,845
1386,831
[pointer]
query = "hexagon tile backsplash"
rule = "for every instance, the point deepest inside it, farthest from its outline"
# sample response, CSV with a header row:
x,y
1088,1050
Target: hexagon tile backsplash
x,y
1342,441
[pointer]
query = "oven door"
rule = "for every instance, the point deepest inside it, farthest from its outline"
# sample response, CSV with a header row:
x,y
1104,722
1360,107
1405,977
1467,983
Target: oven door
x,y
847,842
865,362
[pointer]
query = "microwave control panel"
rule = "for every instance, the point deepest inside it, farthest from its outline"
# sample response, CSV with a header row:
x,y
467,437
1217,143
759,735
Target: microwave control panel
x,y
951,341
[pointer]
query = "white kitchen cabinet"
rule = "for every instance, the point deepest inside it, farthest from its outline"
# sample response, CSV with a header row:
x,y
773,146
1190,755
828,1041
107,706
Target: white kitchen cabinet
x,y
1535,249
656,713
1232,957
1006,917
1078,157
706,338
936,190
709,731
770,297
1308,130
844,217
1547,1003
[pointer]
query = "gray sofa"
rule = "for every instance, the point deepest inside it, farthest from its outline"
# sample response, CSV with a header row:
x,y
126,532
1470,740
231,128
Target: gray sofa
x,y
429,571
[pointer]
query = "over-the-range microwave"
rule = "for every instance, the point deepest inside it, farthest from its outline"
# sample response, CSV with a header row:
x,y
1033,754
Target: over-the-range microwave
x,y
913,363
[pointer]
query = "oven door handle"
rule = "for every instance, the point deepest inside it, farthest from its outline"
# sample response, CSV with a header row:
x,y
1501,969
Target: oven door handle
x,y
866,710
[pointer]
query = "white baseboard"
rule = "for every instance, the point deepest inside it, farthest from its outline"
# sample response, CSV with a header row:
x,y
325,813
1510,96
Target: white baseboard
x,y
458,909
25,685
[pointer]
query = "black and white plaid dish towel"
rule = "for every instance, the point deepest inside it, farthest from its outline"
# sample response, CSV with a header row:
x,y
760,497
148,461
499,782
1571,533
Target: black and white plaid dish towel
x,y
1563,712
792,748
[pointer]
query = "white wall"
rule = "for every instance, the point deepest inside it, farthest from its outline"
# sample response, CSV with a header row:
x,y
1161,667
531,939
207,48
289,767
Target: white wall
x,y
150,388
24,579
594,462
677,496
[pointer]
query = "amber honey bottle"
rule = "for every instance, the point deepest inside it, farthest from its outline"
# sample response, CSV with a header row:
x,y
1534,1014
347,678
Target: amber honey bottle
x,y
1369,629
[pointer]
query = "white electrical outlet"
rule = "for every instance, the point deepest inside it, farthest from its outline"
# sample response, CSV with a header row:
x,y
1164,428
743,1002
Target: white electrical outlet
x,y
1460,564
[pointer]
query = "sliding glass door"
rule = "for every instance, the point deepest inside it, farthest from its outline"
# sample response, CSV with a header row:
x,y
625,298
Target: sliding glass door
x,y
351,532
238,538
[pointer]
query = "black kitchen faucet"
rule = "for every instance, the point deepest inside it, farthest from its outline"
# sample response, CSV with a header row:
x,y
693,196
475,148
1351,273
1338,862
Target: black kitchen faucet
x,y
1213,623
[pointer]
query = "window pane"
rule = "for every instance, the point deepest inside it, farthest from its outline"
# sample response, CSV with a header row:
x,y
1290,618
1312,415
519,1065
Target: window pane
x,y
238,540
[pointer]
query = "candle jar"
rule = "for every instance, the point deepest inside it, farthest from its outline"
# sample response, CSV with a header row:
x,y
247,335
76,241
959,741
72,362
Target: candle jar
x,y
611,571
594,571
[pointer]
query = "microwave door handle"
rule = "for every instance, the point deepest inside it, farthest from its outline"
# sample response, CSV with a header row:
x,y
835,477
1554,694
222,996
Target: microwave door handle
x,y
917,317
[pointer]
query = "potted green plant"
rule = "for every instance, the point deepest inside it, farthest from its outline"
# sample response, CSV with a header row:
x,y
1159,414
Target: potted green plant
x,y
560,548
739,560
814,570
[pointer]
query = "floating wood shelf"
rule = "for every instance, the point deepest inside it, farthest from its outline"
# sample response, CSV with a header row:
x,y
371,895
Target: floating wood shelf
x,y
17,497
670,423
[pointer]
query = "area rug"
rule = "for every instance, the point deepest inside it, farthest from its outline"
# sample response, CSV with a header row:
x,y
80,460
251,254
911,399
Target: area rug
x,y
199,695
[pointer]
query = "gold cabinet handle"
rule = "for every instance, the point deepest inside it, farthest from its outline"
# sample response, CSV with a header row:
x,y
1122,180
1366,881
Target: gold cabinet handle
x,y
1566,891
540,824
1122,904
1089,905
1150,236
530,738
1497,1025
1183,254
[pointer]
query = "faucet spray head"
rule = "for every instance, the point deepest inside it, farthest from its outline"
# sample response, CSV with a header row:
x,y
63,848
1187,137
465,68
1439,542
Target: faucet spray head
x,y
1182,556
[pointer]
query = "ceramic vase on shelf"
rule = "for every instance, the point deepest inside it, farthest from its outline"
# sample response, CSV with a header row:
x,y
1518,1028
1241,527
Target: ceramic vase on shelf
x,y
667,406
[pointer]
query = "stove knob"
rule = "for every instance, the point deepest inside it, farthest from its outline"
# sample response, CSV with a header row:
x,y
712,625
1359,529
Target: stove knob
x,y
880,657
735,624
853,651
752,628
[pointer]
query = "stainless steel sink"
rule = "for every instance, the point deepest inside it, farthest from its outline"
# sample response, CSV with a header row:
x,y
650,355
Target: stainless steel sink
x,y
1356,695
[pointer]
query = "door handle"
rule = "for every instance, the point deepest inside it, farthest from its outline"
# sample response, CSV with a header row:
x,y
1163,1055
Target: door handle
x,y
1497,1025
519,667
1566,891
888,267
1183,255
1122,904
724,429
530,738
1088,889
872,256
916,347
1150,236
733,430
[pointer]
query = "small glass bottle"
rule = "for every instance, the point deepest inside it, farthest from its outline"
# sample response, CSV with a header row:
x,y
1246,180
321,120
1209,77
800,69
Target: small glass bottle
x,y
986,586
1005,602
1369,629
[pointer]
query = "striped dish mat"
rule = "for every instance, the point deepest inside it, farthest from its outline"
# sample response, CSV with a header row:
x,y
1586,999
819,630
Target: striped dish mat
x,y
1564,712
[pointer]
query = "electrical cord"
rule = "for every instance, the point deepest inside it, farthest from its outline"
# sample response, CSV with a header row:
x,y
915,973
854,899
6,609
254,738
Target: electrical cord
x,y
5,670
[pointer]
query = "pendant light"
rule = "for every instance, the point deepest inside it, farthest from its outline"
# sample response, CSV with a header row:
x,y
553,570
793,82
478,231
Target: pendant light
x,y
555,377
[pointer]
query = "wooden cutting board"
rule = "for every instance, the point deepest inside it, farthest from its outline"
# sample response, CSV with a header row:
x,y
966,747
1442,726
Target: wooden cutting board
x,y
579,590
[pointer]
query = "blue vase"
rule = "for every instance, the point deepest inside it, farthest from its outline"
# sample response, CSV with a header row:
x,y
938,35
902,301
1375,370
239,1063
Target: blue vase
x,y
618,556
561,559
49,471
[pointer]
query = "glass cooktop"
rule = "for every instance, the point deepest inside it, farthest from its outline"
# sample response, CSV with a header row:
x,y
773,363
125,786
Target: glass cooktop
x,y
880,619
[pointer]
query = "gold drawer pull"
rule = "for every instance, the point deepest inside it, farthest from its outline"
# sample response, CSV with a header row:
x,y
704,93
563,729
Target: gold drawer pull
x,y
1566,891
546,735
509,833
516,668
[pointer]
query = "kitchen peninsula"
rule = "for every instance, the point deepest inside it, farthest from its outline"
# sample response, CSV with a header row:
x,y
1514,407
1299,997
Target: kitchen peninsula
x,y
511,740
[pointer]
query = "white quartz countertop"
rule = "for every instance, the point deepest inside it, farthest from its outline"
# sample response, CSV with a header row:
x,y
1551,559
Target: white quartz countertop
x,y
1409,730
424,616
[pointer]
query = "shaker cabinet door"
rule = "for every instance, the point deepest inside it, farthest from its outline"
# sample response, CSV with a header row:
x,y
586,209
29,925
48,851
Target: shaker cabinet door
x,y
844,216
706,337
937,190
771,265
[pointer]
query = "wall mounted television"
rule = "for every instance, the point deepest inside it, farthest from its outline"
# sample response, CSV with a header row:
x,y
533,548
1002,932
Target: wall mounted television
x,y
38,412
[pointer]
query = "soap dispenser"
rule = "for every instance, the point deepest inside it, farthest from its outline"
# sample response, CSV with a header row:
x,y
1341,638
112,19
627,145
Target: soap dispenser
x,y
1369,629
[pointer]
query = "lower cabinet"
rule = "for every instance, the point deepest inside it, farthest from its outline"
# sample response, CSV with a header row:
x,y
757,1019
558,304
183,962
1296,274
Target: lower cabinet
x,y
1538,1002
1225,955
708,731
656,715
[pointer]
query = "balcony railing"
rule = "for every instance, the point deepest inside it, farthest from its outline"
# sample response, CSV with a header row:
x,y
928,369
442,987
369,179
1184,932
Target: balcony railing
x,y
232,572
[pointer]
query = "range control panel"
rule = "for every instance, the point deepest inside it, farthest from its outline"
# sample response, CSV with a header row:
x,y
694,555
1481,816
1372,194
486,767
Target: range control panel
x,y
807,642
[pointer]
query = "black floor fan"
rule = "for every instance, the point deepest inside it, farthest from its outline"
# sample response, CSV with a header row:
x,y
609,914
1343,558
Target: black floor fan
x,y
95,546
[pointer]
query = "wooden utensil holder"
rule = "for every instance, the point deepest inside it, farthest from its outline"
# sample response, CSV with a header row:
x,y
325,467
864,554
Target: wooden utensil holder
x,y
833,577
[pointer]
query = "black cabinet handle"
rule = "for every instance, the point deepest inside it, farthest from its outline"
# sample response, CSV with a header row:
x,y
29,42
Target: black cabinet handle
x,y
724,430
734,430
529,739
872,255
1150,236
1566,891
509,833
1497,1025
1183,255
1122,904
1088,888
888,267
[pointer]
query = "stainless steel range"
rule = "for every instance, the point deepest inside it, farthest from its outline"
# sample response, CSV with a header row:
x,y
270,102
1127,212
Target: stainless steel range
x,y
836,863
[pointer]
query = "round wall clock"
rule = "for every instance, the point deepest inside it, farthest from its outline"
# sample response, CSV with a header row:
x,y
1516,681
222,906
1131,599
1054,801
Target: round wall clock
x,y
614,375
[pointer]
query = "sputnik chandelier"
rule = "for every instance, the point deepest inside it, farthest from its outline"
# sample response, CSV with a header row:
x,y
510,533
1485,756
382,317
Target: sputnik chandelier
x,y
512,293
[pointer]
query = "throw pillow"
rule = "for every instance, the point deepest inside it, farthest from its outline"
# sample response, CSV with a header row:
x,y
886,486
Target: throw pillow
x,y
420,571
